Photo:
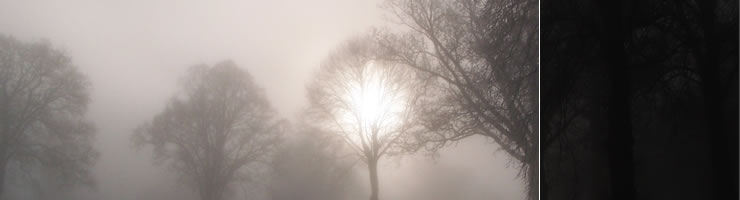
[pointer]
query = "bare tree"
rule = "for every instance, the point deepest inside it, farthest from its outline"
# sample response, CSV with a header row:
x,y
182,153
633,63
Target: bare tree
x,y
217,128
485,53
43,99
368,102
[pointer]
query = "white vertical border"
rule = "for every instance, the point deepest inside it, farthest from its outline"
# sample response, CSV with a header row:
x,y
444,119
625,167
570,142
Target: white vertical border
x,y
539,96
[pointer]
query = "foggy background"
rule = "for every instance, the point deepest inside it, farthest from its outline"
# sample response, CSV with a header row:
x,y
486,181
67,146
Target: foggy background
x,y
135,51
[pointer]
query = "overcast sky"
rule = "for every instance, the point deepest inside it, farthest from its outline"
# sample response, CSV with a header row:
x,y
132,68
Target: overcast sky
x,y
134,51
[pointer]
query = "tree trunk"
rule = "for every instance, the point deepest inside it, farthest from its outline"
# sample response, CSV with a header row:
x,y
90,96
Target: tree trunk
x,y
724,174
372,166
4,158
3,164
534,165
545,130
533,174
620,141
204,193
543,184
211,192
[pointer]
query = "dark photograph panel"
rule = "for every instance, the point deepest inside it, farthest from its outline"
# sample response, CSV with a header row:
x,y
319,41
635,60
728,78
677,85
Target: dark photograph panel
x,y
639,99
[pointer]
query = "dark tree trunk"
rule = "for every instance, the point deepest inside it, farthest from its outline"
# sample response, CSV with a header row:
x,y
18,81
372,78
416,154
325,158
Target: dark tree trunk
x,y
3,164
205,193
725,174
4,158
545,130
372,166
211,191
533,174
543,184
620,140
534,165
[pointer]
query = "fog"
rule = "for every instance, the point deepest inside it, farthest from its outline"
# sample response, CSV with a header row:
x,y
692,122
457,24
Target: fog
x,y
135,51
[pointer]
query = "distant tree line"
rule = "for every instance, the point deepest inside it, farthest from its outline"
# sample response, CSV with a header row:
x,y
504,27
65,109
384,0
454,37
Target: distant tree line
x,y
457,68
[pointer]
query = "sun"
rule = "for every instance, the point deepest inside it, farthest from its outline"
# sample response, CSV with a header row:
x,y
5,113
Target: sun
x,y
375,102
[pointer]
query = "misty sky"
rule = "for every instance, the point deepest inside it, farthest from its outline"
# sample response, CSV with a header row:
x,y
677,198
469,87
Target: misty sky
x,y
134,52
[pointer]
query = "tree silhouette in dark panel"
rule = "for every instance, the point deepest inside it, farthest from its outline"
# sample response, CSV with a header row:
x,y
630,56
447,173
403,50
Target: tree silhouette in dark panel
x,y
620,137
654,69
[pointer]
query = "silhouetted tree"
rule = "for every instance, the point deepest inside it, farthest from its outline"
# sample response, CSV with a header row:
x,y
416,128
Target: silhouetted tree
x,y
717,21
621,142
43,99
572,99
368,102
214,130
485,54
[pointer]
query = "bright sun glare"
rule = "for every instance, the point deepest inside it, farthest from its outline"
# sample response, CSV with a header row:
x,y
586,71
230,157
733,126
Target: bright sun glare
x,y
375,102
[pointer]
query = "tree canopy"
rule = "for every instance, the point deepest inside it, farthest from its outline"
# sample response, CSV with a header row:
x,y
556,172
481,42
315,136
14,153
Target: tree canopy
x,y
219,126
43,100
485,55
